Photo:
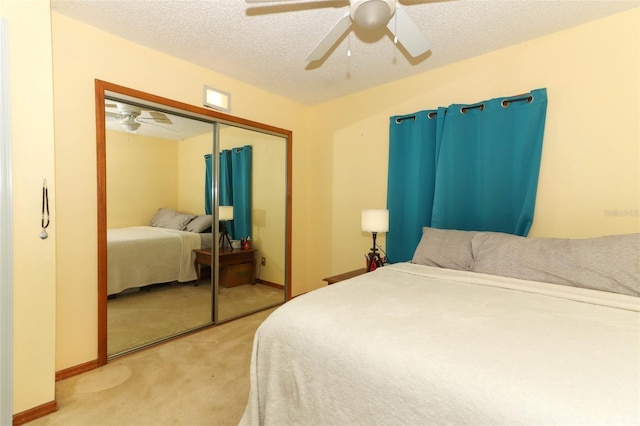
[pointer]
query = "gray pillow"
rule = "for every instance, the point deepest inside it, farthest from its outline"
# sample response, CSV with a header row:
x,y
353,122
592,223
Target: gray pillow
x,y
445,248
608,263
171,219
200,223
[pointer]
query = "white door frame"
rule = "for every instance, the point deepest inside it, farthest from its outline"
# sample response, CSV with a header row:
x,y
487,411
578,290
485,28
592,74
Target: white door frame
x,y
6,239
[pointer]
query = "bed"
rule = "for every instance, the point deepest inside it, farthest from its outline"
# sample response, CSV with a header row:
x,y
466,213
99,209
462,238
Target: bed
x,y
138,256
466,333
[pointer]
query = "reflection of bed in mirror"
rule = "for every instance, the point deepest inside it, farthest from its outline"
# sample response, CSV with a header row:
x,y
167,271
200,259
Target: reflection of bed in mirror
x,y
138,256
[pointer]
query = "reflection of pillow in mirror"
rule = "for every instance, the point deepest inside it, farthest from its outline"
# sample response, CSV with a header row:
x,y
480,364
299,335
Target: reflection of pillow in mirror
x,y
445,248
199,224
171,219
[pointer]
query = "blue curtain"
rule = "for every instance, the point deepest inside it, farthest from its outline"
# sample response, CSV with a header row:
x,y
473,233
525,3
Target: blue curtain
x,y
481,165
235,188
412,157
208,184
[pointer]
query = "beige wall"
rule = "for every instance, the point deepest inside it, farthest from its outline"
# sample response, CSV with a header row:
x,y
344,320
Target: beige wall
x,y
269,210
34,260
146,173
590,173
191,172
142,176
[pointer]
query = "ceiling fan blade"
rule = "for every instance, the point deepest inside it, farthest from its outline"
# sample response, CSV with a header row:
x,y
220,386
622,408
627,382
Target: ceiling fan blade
x,y
154,124
408,34
111,115
158,117
338,30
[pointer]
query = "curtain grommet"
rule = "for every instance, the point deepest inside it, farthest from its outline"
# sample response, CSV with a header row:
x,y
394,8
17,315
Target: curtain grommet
x,y
463,110
505,102
399,120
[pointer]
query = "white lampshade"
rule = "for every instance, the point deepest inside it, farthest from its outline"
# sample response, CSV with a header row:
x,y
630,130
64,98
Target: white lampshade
x,y
375,220
225,213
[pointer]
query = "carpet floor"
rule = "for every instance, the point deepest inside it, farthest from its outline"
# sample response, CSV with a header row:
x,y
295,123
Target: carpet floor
x,y
199,379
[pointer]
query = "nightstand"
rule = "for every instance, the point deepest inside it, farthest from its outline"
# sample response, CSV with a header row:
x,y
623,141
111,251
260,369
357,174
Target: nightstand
x,y
341,277
236,266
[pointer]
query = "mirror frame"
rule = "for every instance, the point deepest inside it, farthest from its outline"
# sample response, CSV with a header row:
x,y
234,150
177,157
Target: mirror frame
x,y
101,88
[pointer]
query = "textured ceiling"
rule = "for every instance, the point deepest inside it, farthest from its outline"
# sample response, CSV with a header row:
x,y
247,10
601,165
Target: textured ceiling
x,y
266,44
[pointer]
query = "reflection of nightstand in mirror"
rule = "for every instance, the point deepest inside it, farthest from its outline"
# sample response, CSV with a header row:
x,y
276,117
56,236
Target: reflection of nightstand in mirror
x,y
236,267
341,277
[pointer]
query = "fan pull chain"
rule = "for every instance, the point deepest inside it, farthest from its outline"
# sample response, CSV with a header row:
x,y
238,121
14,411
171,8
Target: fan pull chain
x,y
349,45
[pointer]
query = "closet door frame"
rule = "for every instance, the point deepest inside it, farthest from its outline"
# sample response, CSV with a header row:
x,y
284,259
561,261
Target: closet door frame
x,y
104,89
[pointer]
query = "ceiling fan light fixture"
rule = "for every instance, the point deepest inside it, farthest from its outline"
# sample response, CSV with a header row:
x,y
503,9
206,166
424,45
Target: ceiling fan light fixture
x,y
129,123
131,127
371,14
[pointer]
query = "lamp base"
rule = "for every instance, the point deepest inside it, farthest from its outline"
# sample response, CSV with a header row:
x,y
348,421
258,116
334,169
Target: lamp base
x,y
224,237
225,241
374,261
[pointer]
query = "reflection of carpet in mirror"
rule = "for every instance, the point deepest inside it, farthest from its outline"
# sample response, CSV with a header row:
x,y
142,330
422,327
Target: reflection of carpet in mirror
x,y
234,301
141,317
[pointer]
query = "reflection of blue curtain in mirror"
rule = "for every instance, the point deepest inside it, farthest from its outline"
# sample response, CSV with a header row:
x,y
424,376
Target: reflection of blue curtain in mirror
x,y
241,160
235,188
208,180
225,195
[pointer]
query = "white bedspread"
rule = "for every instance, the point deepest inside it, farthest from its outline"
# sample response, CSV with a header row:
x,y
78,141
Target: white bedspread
x,y
414,345
142,255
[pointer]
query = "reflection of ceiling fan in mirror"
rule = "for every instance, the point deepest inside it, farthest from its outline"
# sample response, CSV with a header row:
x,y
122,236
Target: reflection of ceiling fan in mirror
x,y
370,15
132,117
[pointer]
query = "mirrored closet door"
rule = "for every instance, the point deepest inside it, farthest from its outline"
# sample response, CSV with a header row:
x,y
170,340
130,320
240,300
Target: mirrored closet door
x,y
154,204
194,218
253,181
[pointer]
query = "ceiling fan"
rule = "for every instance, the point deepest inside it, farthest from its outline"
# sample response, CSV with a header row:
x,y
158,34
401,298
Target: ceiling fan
x,y
371,14
132,117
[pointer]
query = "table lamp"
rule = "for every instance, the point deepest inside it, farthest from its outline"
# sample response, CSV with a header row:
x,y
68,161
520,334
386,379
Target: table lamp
x,y
374,221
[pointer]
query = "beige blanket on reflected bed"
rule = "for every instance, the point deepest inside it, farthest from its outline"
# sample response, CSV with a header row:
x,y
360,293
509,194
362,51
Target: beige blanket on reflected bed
x,y
416,345
142,255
